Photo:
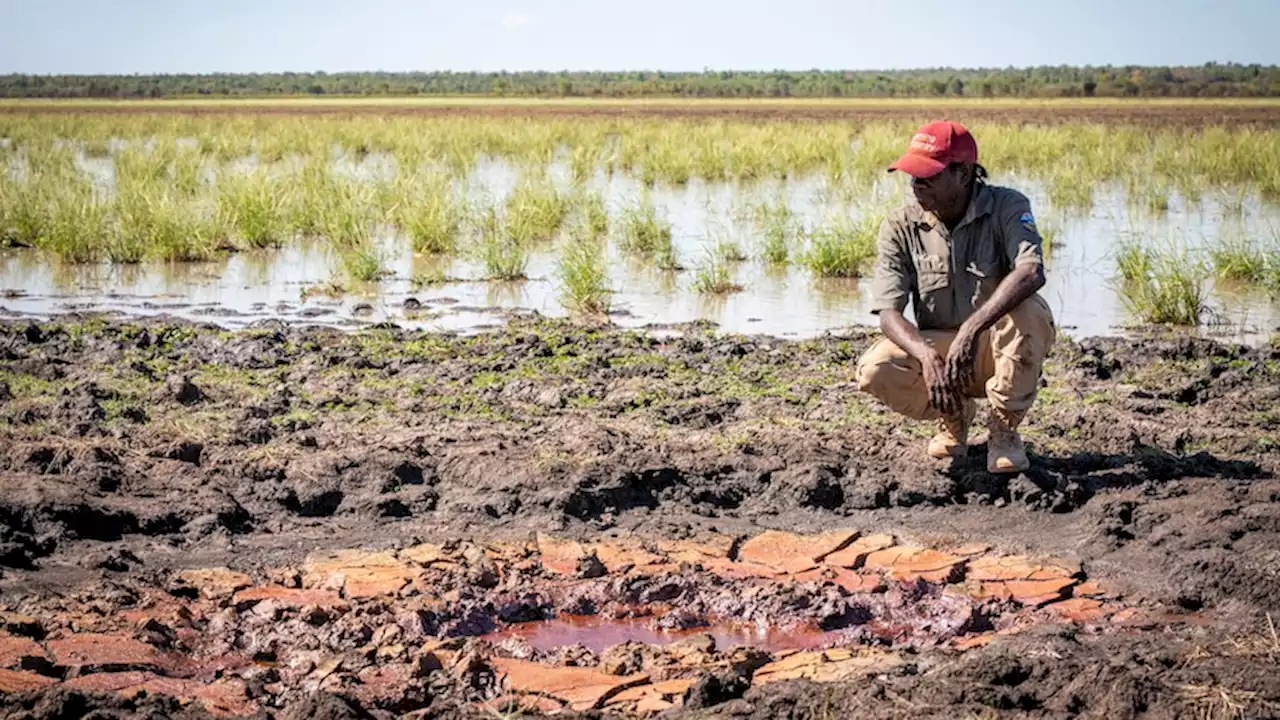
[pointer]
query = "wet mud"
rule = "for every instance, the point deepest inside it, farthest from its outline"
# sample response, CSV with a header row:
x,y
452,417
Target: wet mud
x,y
285,521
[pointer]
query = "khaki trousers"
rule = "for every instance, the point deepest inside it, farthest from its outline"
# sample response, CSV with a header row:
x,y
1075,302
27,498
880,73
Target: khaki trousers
x,y
1007,368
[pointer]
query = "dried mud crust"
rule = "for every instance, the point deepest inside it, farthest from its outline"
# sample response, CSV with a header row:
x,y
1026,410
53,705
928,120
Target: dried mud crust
x,y
439,630
129,451
1199,114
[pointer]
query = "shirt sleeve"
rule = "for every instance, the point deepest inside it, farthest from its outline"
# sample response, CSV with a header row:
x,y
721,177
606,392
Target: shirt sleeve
x,y
893,277
1022,242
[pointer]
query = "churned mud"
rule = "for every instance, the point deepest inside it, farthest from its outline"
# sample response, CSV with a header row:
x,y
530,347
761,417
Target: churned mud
x,y
551,518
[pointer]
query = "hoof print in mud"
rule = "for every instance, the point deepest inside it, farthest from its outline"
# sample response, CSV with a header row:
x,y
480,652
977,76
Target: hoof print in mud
x,y
183,391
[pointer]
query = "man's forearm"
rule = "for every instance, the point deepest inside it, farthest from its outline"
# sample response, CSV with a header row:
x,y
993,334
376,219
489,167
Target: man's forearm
x,y
895,327
1017,287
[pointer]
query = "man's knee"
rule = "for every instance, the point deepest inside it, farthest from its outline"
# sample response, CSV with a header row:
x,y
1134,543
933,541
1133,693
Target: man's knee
x,y
1027,332
877,369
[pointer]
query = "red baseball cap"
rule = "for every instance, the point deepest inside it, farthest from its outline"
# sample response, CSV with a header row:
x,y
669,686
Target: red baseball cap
x,y
934,147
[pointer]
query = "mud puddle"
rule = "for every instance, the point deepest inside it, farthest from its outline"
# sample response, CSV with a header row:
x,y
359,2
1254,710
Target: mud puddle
x,y
597,634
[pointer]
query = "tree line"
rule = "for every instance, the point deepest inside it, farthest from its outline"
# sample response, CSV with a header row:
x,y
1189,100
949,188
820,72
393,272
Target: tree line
x,y
1209,80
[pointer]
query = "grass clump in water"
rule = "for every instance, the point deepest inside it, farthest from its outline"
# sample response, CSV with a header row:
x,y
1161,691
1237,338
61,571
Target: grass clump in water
x,y
712,275
647,234
432,219
1162,287
163,227
24,210
503,256
842,248
583,274
347,222
595,218
312,189
253,205
361,262
1239,259
78,230
779,229
535,211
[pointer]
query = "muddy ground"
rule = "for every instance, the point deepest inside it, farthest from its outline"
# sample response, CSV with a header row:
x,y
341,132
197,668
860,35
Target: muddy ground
x,y
1137,112
131,452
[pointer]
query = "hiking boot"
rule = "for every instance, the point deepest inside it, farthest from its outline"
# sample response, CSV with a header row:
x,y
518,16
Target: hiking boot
x,y
1005,453
952,441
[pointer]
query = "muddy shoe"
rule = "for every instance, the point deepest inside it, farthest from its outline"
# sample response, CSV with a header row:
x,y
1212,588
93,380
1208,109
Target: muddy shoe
x,y
952,440
1005,453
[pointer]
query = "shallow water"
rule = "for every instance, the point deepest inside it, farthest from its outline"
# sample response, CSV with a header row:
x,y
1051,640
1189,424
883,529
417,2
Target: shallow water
x,y
598,634
785,301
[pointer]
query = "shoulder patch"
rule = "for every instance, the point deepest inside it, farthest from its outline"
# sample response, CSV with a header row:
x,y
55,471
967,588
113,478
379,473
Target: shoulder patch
x,y
1028,221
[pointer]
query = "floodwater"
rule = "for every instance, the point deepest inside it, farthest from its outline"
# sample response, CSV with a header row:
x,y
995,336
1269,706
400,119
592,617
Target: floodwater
x,y
782,301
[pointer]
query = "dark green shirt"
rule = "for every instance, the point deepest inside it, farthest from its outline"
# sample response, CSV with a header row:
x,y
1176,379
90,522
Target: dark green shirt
x,y
946,275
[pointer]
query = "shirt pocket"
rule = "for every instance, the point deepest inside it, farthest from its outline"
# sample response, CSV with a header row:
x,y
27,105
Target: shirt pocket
x,y
932,273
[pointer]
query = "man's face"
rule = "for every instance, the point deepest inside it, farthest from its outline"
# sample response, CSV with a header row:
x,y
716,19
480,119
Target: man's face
x,y
942,192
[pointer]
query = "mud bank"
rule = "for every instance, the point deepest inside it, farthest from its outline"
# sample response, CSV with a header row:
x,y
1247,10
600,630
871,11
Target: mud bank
x,y
133,455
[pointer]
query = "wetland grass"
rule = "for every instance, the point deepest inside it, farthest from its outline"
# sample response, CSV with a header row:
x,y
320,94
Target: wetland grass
x,y
1162,286
165,227
77,230
503,257
583,273
780,230
432,218
535,210
647,234
348,222
842,248
253,206
713,275
362,262
1238,258
594,217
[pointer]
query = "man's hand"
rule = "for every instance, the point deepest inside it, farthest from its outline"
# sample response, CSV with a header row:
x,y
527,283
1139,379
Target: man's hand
x,y
960,360
942,393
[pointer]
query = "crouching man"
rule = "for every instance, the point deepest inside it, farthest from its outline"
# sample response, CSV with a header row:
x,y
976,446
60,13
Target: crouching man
x,y
968,258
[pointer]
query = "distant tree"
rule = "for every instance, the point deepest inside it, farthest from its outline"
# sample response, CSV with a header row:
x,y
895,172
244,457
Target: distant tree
x,y
1212,79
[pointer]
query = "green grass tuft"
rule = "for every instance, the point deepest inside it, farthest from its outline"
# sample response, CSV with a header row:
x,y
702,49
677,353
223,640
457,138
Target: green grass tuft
x,y
842,248
253,204
503,257
583,274
712,276
647,234
1162,287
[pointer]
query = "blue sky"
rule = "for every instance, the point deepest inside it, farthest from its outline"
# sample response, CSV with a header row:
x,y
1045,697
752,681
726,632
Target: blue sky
x,y
156,36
